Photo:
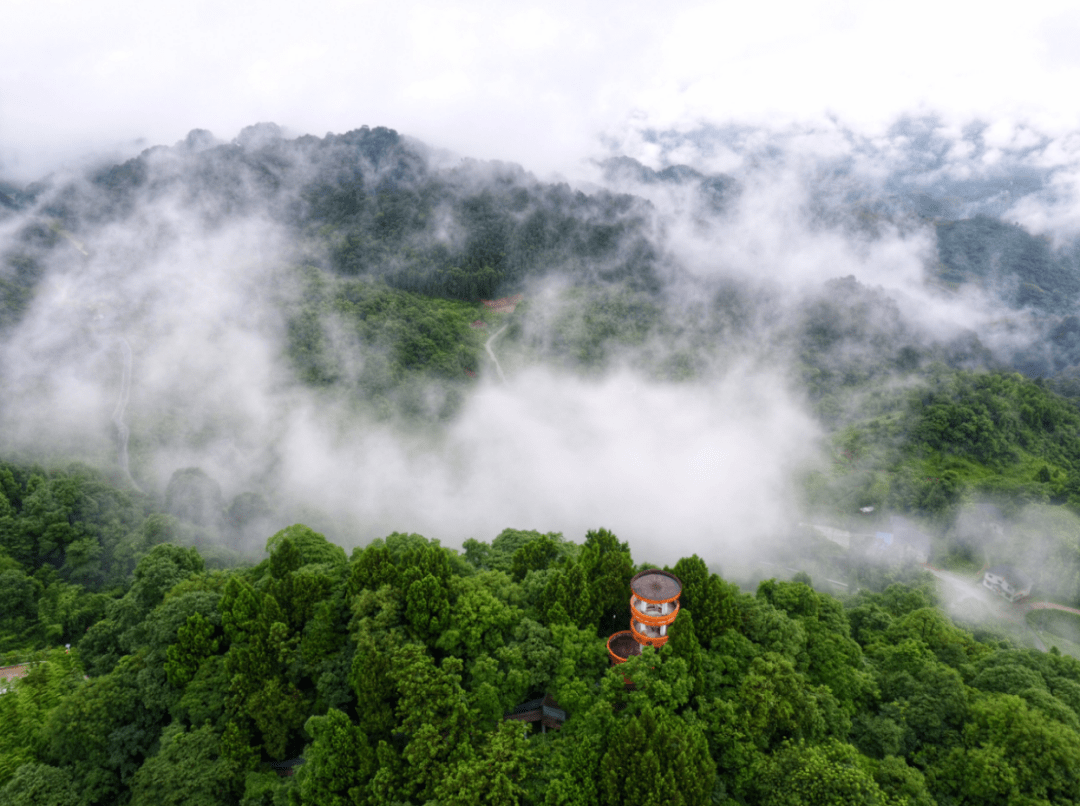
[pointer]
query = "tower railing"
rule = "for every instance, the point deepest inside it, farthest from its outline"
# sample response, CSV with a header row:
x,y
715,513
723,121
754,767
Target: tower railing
x,y
654,606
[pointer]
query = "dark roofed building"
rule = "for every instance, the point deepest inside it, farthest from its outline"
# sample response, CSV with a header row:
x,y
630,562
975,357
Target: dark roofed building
x,y
287,767
543,710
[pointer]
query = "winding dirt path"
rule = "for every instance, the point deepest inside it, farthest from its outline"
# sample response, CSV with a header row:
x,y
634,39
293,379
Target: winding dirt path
x,y
487,346
1049,606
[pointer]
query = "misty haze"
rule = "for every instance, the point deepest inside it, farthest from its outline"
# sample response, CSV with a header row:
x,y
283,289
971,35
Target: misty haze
x,y
302,320
840,371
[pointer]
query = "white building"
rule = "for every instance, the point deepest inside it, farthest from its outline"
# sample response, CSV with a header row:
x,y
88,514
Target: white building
x,y
1008,582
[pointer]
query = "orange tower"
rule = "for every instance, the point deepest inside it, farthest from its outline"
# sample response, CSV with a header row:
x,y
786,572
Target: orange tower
x,y
654,604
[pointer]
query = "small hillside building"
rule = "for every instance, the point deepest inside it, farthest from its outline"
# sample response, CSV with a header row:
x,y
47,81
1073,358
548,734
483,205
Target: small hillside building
x,y
543,710
504,305
9,673
1008,582
286,768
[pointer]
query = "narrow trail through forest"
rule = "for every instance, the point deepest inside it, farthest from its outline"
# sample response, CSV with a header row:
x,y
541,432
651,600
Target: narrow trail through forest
x,y
487,346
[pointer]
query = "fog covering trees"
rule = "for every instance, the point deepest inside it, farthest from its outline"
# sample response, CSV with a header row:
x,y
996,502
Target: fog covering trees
x,y
280,316
703,358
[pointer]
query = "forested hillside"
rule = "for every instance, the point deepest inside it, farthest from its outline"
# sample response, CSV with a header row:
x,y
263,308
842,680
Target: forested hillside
x,y
389,673
768,388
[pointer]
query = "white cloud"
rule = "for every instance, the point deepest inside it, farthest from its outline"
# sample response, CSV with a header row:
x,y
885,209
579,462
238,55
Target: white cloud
x,y
673,468
535,83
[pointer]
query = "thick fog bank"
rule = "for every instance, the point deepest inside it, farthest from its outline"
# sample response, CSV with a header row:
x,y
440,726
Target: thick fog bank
x,y
674,468
679,326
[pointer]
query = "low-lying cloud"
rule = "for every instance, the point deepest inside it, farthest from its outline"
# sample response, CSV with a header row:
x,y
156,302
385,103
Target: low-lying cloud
x,y
707,465
674,468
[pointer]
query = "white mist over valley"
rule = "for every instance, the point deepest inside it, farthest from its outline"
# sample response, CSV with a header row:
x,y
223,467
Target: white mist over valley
x,y
734,234
655,387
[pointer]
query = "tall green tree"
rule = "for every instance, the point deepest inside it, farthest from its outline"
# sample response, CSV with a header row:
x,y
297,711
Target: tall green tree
x,y
495,776
654,757
188,770
828,774
37,784
433,713
337,764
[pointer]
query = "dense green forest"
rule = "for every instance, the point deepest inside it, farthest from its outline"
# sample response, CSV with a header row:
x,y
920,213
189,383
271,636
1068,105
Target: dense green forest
x,y
389,673
169,658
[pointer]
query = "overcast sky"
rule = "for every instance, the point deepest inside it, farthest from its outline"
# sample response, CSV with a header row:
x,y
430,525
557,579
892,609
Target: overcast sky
x,y
543,84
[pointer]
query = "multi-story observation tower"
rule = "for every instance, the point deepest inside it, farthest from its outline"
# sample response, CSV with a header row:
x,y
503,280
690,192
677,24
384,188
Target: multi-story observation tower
x,y
654,605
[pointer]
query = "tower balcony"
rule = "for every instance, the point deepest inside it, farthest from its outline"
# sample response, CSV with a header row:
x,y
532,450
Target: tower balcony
x,y
622,645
